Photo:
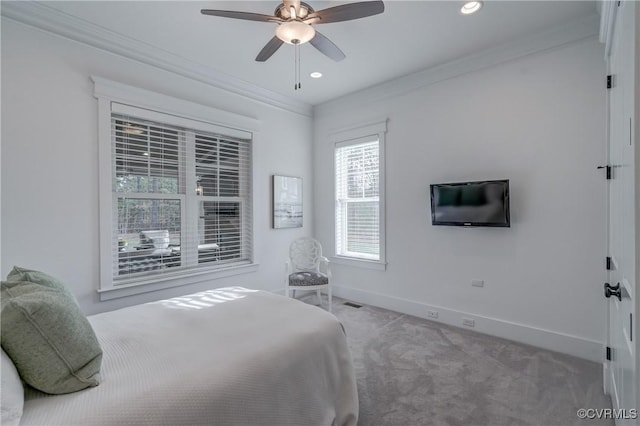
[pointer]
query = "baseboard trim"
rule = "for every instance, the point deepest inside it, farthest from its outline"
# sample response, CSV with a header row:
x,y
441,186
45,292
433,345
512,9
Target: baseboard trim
x,y
546,339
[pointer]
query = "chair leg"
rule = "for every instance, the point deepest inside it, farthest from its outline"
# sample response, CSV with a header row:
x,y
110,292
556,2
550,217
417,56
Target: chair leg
x,y
329,288
294,293
319,297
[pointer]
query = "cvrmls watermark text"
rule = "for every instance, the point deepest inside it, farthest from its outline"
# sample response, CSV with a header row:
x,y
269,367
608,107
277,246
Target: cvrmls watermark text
x,y
607,413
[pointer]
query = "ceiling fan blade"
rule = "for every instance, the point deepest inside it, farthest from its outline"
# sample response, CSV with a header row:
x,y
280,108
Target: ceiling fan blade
x,y
327,47
247,16
347,12
269,49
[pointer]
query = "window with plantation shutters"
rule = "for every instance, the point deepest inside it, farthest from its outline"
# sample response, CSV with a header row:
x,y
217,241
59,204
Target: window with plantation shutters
x,y
222,192
180,196
357,200
359,196
148,195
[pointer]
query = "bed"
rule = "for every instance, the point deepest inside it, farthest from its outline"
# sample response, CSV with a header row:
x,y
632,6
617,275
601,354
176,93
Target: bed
x,y
230,356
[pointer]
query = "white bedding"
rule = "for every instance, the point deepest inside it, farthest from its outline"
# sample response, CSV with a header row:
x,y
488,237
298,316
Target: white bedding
x,y
223,357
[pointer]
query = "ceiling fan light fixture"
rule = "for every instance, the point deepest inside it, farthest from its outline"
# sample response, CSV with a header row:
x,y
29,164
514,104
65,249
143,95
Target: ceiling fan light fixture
x,y
295,19
471,7
295,32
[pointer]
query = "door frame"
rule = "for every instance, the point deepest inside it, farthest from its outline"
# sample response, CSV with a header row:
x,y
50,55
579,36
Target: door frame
x,y
608,15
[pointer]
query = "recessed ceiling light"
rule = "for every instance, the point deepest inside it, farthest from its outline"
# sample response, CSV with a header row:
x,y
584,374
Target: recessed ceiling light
x,y
316,74
471,7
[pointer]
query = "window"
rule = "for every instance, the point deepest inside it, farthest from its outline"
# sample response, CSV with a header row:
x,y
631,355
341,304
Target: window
x,y
359,194
179,195
153,165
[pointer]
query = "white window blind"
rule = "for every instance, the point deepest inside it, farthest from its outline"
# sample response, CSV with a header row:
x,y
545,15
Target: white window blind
x,y
181,197
357,167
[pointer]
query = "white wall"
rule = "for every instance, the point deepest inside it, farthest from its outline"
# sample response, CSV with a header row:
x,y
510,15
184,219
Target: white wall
x,y
538,121
50,161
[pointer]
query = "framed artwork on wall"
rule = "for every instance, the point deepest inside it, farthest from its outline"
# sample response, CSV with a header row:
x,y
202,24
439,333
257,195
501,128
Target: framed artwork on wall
x,y
287,202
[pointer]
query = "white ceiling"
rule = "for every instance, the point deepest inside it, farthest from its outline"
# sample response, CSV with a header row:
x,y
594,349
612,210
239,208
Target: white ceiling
x,y
408,37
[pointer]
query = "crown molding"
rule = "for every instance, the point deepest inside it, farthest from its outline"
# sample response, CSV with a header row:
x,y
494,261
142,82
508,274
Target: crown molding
x,y
52,20
577,30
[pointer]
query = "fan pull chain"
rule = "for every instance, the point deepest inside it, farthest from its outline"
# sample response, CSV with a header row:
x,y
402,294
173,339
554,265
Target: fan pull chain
x,y
296,65
299,84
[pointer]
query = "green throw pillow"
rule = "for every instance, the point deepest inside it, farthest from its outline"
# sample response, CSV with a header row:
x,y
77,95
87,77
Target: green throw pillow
x,y
48,338
37,277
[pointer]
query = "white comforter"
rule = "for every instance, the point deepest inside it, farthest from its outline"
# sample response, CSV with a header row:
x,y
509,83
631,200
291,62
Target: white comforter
x,y
223,357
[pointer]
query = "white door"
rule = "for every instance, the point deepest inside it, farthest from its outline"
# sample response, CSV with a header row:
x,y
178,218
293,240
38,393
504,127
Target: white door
x,y
622,337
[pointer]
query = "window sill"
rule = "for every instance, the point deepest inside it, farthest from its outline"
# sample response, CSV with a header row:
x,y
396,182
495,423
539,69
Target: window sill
x,y
160,283
360,263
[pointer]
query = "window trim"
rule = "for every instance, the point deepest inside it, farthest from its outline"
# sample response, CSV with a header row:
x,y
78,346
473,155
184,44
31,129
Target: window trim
x,y
110,92
351,136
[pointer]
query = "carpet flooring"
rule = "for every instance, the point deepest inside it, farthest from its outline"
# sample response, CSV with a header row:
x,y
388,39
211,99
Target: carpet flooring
x,y
414,372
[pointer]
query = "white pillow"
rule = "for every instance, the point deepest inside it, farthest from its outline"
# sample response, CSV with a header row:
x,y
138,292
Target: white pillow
x,y
11,392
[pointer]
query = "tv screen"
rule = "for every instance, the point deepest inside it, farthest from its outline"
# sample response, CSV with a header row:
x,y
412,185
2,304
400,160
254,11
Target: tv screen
x,y
484,203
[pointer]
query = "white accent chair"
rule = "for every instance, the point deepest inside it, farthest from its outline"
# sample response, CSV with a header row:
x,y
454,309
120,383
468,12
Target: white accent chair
x,y
302,269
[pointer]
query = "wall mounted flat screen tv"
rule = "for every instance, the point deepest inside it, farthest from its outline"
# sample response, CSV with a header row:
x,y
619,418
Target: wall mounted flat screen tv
x,y
483,203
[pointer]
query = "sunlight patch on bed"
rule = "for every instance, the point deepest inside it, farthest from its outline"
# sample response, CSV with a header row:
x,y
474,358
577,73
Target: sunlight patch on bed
x,y
206,299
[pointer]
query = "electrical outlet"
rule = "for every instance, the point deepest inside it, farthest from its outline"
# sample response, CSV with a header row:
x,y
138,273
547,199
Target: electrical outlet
x,y
477,283
467,322
432,314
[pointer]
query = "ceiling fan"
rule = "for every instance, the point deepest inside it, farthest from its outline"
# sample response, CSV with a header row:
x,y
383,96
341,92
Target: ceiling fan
x,y
295,21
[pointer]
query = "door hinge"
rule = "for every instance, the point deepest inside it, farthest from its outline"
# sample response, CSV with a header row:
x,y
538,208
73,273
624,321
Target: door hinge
x,y
608,353
608,263
609,81
608,168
